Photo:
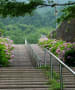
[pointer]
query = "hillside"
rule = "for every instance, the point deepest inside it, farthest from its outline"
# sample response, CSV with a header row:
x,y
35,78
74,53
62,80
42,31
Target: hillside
x,y
42,21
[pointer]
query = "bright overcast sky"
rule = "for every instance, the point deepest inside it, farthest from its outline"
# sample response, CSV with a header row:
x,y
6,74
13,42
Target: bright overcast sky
x,y
60,1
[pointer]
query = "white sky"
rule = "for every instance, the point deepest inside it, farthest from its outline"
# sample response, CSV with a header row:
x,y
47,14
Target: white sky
x,y
58,1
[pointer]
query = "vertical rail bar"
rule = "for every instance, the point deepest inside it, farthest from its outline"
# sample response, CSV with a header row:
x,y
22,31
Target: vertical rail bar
x,y
51,67
39,63
61,78
45,57
32,54
74,79
25,42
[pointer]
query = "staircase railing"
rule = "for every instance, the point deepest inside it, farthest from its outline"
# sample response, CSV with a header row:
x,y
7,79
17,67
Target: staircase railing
x,y
60,65
55,64
36,60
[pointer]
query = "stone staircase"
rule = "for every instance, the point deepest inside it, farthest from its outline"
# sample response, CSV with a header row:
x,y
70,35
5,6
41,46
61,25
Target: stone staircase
x,y
21,75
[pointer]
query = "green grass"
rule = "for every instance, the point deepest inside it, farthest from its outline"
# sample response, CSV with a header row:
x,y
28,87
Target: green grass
x,y
44,67
54,85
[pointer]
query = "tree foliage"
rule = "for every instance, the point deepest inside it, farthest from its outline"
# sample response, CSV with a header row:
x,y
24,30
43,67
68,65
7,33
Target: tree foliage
x,y
29,27
14,8
17,8
68,14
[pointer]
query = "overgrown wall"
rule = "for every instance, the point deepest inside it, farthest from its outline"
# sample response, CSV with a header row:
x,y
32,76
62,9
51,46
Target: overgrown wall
x,y
66,31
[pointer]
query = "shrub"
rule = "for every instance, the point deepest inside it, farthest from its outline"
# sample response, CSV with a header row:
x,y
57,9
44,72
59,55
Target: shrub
x,y
3,59
55,85
69,57
64,50
5,51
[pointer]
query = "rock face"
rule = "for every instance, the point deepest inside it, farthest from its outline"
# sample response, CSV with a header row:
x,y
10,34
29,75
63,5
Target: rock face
x,y
66,31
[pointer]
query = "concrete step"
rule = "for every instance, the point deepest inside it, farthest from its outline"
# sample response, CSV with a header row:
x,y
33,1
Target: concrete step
x,y
27,79
23,83
26,89
22,80
23,86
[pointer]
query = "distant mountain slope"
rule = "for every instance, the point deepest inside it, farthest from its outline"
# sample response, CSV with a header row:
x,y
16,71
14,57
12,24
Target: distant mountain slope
x,y
42,21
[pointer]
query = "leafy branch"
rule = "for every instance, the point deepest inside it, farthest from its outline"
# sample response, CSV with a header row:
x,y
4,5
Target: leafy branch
x,y
14,8
68,14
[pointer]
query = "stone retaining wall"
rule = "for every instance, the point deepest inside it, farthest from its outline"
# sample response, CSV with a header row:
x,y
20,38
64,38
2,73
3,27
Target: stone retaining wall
x,y
66,31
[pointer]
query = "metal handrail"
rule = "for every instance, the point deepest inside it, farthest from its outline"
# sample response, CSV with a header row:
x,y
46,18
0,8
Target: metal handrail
x,y
61,62
34,54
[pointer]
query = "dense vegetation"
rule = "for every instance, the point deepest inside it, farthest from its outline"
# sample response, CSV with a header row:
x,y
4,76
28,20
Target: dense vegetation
x,y
29,27
64,50
6,52
22,7
68,14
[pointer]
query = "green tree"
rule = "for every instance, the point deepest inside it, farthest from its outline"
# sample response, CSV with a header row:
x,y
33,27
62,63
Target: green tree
x,y
68,14
16,8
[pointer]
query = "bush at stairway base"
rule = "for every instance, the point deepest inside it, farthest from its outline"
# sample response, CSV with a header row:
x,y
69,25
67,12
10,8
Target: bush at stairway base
x,y
5,51
3,59
64,50
70,57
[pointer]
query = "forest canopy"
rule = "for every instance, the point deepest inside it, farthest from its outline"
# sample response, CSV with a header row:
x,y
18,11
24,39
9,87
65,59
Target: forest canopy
x,y
68,14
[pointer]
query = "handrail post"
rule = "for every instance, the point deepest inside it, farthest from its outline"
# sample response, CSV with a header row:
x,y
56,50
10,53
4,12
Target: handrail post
x,y
61,78
40,63
45,57
74,79
32,54
51,67
25,42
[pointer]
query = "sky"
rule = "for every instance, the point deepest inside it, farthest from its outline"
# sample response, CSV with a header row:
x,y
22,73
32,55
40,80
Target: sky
x,y
60,1
63,1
